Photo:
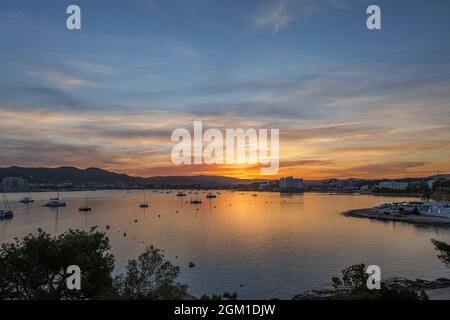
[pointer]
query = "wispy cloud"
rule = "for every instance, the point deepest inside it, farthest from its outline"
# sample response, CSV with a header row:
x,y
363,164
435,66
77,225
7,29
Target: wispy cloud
x,y
62,80
103,69
278,14
275,16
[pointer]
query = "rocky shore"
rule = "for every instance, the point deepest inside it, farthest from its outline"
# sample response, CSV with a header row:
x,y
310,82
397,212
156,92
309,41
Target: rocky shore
x,y
407,218
436,289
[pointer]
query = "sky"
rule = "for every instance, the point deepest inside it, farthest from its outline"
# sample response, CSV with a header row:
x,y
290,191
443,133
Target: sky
x,y
349,102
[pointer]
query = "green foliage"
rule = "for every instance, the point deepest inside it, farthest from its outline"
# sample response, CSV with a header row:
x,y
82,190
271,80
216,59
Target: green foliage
x,y
444,251
353,278
224,296
353,286
426,196
150,276
35,267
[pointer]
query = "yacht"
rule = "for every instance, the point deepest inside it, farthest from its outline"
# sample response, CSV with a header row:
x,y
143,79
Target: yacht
x,y
181,194
144,204
55,202
7,213
196,201
85,208
27,199
211,196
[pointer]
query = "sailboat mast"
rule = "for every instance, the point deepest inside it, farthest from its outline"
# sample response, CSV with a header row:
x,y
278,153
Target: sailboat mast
x,y
5,202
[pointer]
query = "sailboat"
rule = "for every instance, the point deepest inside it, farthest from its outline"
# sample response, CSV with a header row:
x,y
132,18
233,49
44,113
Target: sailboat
x,y
27,200
55,202
211,196
85,208
144,204
196,201
7,212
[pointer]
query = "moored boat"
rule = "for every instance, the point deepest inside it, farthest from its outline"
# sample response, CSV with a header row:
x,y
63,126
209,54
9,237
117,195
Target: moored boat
x,y
85,208
144,204
26,200
7,213
55,202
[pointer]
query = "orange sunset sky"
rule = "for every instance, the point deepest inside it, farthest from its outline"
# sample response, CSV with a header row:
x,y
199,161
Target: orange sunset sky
x,y
349,102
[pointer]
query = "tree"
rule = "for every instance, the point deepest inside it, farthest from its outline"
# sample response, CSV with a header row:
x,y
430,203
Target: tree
x,y
352,285
444,251
354,278
225,296
150,276
35,267
426,195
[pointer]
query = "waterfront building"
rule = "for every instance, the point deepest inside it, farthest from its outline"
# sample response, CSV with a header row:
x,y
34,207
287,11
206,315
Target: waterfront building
x,y
394,185
290,183
347,183
435,209
14,184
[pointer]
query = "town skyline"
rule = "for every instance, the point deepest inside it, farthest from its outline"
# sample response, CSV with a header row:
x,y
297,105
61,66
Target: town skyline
x,y
259,178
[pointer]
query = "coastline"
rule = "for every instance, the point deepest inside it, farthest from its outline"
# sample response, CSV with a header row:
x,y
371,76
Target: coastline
x,y
413,219
435,289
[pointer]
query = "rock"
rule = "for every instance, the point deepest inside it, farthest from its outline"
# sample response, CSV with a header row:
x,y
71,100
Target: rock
x,y
397,282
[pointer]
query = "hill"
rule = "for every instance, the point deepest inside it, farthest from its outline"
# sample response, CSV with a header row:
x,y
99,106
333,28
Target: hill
x,y
97,176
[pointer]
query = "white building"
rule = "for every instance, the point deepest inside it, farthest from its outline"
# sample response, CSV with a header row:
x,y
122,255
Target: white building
x,y
365,188
14,184
347,183
394,185
435,209
291,183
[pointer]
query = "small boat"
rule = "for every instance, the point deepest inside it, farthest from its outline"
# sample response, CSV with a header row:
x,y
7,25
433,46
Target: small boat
x,y
196,201
7,213
254,195
55,202
85,208
144,204
181,194
27,200
211,196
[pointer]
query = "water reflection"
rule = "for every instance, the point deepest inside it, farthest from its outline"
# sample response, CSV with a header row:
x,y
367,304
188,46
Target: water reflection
x,y
274,245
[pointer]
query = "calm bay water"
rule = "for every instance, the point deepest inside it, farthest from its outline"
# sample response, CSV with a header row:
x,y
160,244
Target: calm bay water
x,y
272,245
